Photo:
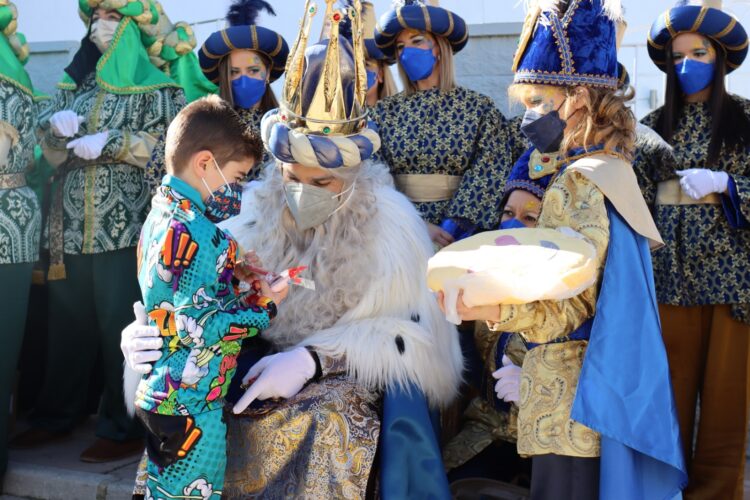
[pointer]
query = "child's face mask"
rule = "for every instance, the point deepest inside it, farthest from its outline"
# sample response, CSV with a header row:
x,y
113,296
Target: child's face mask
x,y
224,202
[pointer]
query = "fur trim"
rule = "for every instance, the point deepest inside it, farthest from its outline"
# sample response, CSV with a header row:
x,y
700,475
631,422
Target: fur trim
x,y
130,381
648,138
246,12
369,262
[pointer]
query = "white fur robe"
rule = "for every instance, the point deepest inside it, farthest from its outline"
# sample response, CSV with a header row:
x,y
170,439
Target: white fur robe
x,y
372,305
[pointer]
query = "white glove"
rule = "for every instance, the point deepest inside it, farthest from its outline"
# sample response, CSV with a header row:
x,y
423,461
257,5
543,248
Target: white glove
x,y
140,343
65,123
89,147
508,381
281,375
700,182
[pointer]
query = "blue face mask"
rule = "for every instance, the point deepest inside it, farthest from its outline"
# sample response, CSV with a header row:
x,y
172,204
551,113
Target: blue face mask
x,y
372,79
694,76
544,132
512,224
247,91
418,63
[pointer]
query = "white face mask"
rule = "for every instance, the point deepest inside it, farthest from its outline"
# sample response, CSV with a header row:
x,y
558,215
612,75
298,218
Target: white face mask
x,y
311,206
102,33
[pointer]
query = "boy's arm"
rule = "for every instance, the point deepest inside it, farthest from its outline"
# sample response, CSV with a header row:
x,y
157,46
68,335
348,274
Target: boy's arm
x,y
197,263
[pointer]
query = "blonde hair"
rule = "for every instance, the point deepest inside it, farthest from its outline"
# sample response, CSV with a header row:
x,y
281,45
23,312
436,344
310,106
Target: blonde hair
x,y
388,87
446,76
607,120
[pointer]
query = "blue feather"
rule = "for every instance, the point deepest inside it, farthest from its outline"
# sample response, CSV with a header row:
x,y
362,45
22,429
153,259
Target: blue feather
x,y
246,12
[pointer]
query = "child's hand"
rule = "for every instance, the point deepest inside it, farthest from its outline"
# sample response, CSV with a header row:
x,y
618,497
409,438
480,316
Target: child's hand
x,y
242,271
267,291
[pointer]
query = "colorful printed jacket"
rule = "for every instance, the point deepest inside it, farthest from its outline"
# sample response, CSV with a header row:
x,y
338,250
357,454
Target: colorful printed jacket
x,y
185,268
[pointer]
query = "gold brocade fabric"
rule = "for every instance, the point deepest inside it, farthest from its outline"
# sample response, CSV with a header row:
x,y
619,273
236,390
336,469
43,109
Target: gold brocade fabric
x,y
319,444
550,372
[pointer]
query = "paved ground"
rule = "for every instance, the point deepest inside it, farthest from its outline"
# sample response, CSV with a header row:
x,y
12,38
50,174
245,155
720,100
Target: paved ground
x,y
55,473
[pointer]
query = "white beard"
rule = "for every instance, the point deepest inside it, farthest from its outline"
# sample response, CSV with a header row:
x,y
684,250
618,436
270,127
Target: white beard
x,y
371,305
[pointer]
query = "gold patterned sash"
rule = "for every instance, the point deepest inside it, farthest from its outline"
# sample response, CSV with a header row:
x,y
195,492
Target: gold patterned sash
x,y
670,193
12,181
426,188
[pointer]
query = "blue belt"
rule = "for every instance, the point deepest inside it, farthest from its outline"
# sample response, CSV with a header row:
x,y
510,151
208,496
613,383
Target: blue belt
x,y
583,332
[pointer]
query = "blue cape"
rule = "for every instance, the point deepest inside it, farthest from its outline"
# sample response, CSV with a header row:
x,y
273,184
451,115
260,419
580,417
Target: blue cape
x,y
624,391
411,464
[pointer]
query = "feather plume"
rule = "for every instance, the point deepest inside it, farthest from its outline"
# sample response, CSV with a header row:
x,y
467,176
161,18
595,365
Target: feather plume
x,y
246,12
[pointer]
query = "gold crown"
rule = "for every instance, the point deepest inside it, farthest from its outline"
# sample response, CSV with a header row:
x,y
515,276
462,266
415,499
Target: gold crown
x,y
326,113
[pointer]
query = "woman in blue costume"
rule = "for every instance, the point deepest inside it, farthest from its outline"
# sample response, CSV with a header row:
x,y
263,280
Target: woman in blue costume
x,y
701,202
447,146
592,372
239,62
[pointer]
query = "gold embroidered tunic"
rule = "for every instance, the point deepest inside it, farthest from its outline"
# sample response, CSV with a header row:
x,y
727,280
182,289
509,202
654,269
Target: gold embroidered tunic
x,y
20,214
550,372
105,201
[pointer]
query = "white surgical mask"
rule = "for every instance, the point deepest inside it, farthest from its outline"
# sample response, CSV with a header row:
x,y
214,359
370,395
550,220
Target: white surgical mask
x,y
102,33
310,205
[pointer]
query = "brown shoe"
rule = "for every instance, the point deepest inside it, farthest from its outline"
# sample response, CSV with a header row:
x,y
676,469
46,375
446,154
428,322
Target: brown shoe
x,y
34,438
106,450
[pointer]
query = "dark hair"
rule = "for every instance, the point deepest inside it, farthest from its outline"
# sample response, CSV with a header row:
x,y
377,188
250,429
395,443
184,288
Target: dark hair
x,y
730,126
267,102
210,124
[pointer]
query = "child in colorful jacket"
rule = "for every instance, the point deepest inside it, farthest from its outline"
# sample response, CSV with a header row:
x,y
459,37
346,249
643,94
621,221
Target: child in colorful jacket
x,y
186,267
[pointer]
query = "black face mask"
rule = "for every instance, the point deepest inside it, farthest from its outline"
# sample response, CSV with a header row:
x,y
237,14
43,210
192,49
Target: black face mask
x,y
545,132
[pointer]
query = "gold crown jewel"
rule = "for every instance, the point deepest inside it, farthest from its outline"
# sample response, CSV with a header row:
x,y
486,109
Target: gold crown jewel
x,y
315,97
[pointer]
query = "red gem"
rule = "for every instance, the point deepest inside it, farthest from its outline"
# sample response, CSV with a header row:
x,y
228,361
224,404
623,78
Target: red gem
x,y
545,159
337,17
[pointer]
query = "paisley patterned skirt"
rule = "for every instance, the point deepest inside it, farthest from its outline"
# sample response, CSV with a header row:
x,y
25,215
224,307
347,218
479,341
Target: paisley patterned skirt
x,y
319,444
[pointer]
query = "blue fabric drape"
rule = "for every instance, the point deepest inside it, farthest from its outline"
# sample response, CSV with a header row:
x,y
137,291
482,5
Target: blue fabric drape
x,y
624,391
411,465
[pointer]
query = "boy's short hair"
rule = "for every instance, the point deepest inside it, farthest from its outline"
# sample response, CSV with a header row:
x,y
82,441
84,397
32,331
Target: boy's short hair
x,y
210,124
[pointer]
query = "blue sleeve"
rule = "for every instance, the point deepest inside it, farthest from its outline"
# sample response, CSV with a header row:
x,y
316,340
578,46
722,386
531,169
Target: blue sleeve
x,y
733,207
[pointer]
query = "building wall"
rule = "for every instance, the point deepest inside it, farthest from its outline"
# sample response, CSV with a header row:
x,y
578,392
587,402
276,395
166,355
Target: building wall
x,y
47,62
485,63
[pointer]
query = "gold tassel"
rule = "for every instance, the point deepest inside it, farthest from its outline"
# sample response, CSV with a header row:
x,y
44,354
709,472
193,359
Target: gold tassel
x,y
37,277
56,272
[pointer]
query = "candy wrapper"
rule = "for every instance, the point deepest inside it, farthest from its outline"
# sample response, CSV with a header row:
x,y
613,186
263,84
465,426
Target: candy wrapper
x,y
513,266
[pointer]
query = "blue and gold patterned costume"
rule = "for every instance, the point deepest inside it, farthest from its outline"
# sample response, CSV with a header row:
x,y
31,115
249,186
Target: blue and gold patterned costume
x,y
420,135
707,251
186,266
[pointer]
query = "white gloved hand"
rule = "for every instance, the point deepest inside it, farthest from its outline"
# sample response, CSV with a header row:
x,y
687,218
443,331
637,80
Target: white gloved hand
x,y
281,375
508,381
700,182
140,343
89,147
65,123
